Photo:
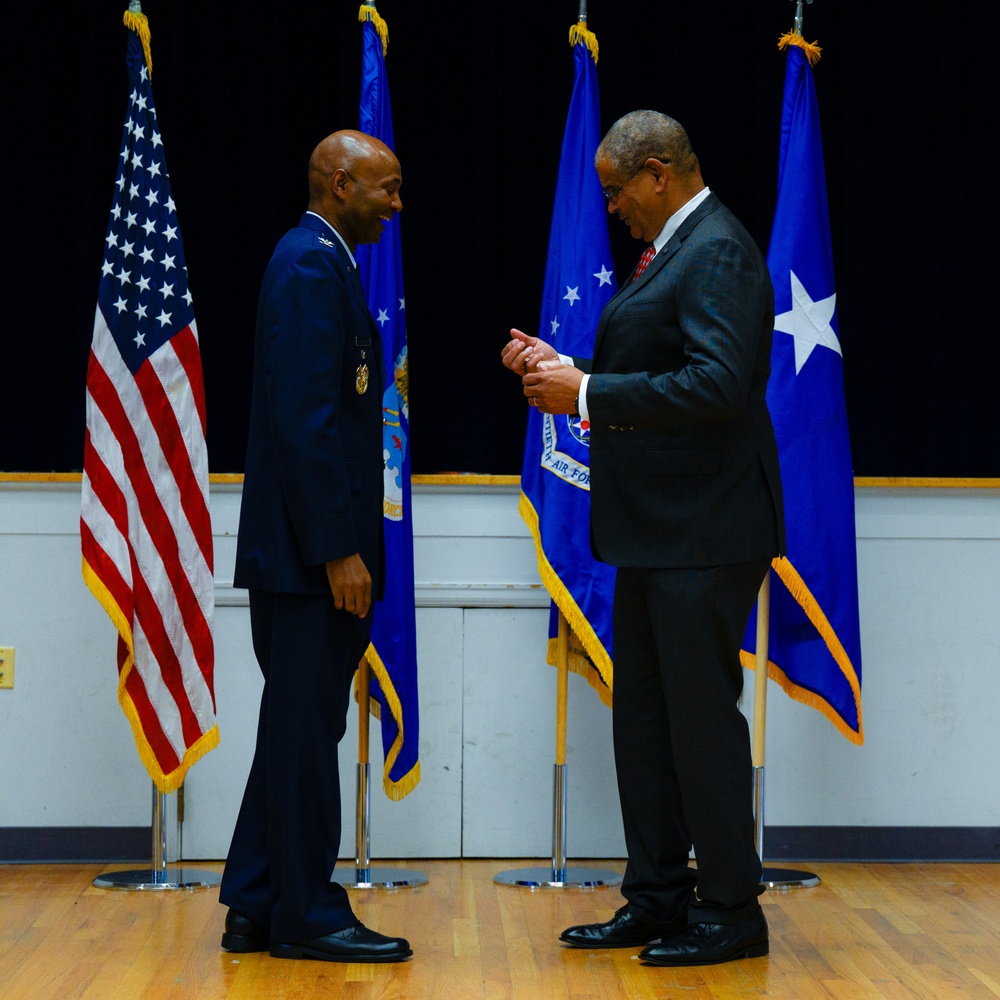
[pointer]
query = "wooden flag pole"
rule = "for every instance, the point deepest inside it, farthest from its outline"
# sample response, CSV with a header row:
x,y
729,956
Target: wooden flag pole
x,y
363,876
362,830
559,876
562,687
760,708
773,878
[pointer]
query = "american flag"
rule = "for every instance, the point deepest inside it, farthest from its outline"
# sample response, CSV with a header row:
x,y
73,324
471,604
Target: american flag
x,y
145,528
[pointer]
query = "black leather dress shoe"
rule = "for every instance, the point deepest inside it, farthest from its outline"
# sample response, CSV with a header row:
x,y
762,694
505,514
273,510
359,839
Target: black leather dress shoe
x,y
710,944
352,944
626,929
242,934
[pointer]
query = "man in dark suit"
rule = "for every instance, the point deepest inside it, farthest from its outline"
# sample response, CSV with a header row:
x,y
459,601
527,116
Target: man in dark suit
x,y
310,551
686,501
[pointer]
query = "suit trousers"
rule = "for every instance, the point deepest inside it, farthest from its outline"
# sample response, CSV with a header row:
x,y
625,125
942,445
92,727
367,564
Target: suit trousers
x,y
682,748
287,835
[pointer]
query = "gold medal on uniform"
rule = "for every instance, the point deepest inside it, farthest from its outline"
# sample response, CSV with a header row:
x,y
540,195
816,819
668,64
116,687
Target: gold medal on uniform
x,y
361,379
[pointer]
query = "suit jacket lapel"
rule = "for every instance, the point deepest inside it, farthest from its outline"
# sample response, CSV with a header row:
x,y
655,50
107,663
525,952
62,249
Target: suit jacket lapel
x,y
657,264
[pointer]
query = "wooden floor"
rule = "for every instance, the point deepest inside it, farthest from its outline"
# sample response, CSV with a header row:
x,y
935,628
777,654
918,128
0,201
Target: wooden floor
x,y
869,930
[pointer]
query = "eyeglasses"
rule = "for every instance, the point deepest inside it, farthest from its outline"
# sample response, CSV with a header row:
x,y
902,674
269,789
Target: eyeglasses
x,y
612,193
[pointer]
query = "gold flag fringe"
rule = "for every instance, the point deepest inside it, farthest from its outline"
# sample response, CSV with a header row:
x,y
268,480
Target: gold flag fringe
x,y
811,49
579,663
164,782
796,586
369,13
579,34
399,789
598,670
140,25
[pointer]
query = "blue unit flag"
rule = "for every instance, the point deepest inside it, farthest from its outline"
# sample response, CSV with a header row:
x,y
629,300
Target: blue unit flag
x,y
555,477
392,654
814,649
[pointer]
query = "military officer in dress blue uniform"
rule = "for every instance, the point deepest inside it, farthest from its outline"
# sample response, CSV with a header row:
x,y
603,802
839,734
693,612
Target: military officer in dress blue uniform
x,y
310,551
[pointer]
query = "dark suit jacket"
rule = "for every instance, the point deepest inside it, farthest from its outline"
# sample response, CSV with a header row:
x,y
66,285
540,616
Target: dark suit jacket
x,y
684,465
313,485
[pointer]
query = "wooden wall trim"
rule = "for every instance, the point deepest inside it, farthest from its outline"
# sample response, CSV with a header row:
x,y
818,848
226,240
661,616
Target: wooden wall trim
x,y
477,479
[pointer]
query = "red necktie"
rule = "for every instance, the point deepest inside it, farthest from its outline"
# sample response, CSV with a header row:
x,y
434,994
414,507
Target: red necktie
x,y
647,256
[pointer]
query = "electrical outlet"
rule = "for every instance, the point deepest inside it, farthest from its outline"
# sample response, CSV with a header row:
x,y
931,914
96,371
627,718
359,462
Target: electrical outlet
x,y
6,666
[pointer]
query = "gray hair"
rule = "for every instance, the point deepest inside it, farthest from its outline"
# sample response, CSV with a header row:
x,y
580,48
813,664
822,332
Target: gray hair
x,y
639,135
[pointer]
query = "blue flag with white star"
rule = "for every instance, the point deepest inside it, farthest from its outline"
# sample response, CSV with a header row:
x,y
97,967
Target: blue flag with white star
x,y
814,649
392,655
555,477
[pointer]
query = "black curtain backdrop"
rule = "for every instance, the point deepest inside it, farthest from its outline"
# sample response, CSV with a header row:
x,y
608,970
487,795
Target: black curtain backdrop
x,y
479,96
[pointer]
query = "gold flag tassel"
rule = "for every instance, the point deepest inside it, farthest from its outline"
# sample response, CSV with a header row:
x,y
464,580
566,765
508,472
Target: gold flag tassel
x,y
579,33
137,22
369,13
811,49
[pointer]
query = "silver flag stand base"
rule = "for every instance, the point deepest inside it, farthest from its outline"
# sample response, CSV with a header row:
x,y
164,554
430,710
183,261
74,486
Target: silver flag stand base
x,y
775,878
787,878
552,878
378,878
558,876
158,876
363,876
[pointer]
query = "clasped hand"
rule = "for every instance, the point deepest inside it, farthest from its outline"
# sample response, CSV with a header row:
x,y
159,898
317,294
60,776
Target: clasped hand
x,y
549,385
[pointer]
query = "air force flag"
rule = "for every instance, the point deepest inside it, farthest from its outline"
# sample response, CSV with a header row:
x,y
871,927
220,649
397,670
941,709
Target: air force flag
x,y
392,654
555,478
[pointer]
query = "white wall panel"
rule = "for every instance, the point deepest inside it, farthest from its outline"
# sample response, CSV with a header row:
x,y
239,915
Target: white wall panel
x,y
929,568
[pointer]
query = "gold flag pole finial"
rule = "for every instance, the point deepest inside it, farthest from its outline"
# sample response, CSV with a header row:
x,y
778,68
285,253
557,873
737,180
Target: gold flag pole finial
x,y
369,13
794,37
579,33
135,20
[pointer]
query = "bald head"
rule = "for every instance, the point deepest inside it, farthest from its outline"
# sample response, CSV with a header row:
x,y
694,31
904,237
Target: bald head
x,y
354,182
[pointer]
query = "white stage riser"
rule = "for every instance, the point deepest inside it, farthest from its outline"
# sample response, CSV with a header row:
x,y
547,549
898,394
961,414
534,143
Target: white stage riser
x,y
929,565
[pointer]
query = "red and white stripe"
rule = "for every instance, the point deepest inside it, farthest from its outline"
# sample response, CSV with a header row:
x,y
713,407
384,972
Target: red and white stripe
x,y
147,543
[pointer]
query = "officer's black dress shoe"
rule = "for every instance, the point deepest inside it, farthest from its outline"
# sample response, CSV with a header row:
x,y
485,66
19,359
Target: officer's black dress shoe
x,y
242,934
626,929
352,944
710,944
